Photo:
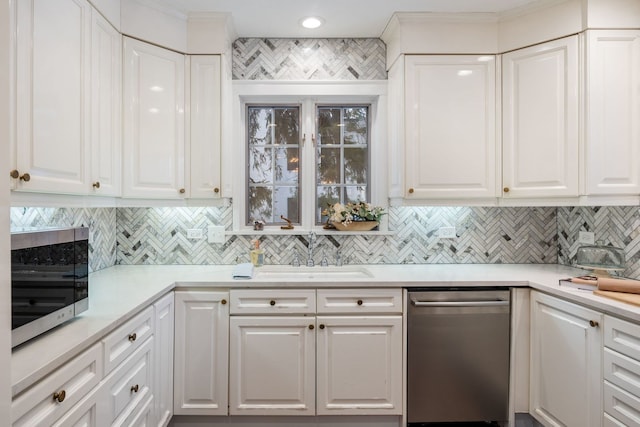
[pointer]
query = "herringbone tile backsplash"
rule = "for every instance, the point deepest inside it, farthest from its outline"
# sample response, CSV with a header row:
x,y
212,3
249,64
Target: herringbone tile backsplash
x,y
309,59
484,235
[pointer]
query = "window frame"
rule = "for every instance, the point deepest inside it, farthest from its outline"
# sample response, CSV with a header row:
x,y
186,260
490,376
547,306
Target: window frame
x,y
308,95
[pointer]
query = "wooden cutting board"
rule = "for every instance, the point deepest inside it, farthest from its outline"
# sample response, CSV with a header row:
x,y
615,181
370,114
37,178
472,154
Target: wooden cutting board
x,y
620,296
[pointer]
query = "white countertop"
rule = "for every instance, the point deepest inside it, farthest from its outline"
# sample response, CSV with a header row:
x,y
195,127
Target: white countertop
x,y
117,293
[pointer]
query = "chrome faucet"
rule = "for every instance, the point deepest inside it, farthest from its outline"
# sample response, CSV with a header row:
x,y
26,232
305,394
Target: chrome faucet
x,y
296,260
311,239
339,258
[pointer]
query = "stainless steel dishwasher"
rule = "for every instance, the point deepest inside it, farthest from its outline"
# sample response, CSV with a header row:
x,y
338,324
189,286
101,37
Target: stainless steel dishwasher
x,y
458,355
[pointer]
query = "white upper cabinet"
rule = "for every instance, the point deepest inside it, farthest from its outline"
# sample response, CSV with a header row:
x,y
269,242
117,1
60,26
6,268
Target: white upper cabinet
x,y
613,112
52,96
450,127
154,147
205,127
540,102
106,106
68,106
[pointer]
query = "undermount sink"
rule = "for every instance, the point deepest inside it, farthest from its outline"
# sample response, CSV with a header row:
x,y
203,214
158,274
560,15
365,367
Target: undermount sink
x,y
326,273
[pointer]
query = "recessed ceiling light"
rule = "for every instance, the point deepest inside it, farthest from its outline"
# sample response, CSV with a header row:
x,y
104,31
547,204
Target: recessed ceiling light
x,y
311,22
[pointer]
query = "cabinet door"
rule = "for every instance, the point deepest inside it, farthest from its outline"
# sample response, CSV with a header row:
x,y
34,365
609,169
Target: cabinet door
x,y
540,120
450,127
359,368
52,95
566,363
106,101
272,365
205,127
163,365
153,149
612,111
201,353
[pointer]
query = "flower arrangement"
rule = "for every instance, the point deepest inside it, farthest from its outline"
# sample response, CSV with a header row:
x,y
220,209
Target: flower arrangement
x,y
353,212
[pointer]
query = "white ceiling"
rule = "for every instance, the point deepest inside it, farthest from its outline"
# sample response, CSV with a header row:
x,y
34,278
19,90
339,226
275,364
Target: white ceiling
x,y
344,18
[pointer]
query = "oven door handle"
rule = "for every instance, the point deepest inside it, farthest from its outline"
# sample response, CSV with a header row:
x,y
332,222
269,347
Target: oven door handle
x,y
459,303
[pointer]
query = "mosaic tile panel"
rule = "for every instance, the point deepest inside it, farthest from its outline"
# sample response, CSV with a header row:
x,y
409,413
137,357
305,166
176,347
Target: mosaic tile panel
x,y
101,223
309,59
613,225
485,235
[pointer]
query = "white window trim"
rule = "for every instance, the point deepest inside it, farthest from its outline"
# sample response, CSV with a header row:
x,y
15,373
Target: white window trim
x,y
307,94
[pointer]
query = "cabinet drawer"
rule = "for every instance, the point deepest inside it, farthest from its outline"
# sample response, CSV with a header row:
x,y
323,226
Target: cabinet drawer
x,y
129,385
141,417
622,406
272,301
622,371
622,336
609,421
355,301
122,342
57,393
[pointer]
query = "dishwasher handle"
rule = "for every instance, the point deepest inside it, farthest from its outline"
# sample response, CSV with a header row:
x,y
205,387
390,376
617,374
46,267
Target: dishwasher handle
x,y
497,303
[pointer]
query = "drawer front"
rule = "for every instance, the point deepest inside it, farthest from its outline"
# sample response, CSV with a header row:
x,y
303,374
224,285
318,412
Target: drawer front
x,y
272,301
141,417
84,414
622,336
609,421
622,371
356,301
621,405
129,385
58,392
122,342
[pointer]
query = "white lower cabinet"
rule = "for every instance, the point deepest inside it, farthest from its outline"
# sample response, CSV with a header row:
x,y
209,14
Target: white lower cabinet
x,y
272,365
359,365
87,392
163,366
201,353
58,393
566,363
621,372
289,358
129,386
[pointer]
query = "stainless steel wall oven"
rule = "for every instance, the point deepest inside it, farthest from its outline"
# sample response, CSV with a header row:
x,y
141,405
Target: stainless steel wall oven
x,y
49,279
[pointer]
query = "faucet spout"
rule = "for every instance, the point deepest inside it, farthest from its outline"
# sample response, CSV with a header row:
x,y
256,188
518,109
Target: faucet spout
x,y
311,240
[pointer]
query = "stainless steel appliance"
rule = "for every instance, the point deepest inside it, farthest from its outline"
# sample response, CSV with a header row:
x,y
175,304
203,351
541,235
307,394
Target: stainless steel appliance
x,y
458,355
49,279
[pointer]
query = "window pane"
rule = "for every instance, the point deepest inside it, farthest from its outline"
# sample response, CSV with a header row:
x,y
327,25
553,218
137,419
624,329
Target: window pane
x,y
287,160
260,165
329,166
273,171
260,202
326,196
356,125
286,126
329,125
342,156
286,203
355,194
355,165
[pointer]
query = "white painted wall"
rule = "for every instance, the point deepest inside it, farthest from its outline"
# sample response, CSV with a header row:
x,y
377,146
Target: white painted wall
x,y
5,267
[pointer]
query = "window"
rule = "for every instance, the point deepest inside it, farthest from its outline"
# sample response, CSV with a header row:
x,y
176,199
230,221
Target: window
x,y
273,135
342,173
274,152
300,146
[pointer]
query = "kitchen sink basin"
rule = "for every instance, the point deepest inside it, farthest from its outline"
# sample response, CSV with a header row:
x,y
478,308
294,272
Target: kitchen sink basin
x,y
314,273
